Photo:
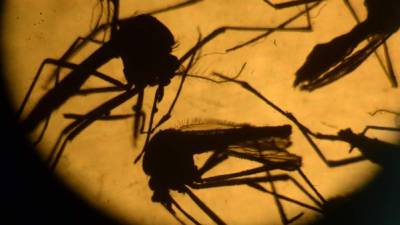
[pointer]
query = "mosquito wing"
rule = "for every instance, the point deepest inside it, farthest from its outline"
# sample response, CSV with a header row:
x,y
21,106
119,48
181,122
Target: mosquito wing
x,y
270,151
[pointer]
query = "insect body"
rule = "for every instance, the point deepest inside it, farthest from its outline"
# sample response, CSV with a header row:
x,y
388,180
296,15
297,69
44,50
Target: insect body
x,y
330,61
170,152
143,43
169,160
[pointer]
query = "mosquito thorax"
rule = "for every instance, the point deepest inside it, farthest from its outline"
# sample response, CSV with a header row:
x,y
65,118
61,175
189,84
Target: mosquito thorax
x,y
144,45
144,32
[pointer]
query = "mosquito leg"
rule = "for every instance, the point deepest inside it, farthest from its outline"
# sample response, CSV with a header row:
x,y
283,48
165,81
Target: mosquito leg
x,y
255,170
137,109
311,185
173,214
216,158
304,130
233,180
278,203
390,73
289,4
283,197
67,65
77,45
370,127
81,42
386,67
42,133
97,74
204,207
282,27
174,7
77,126
263,169
190,217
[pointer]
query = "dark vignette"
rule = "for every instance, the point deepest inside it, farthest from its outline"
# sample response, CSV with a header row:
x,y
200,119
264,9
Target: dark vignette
x,y
31,195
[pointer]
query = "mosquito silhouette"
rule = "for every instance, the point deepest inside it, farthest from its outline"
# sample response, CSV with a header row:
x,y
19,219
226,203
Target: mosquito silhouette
x,y
169,162
331,61
144,44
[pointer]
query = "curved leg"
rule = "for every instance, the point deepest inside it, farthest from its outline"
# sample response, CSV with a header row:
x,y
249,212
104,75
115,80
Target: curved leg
x,y
204,207
288,4
66,65
282,27
307,133
254,182
214,180
118,85
77,126
77,45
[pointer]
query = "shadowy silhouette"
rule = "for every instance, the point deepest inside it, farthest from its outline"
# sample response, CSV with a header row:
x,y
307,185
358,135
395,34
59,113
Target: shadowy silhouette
x,y
168,160
144,44
339,209
330,61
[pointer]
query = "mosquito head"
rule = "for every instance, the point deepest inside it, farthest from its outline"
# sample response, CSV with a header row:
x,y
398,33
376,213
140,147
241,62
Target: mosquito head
x,y
168,163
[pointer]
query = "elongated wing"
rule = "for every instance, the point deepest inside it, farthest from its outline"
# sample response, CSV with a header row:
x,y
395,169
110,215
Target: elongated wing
x,y
208,124
270,151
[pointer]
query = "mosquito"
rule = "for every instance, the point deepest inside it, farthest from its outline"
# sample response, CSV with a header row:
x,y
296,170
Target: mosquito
x,y
144,44
168,160
331,61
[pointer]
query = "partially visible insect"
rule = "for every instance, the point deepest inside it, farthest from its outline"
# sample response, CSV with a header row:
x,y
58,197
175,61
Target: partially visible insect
x,y
169,161
331,61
